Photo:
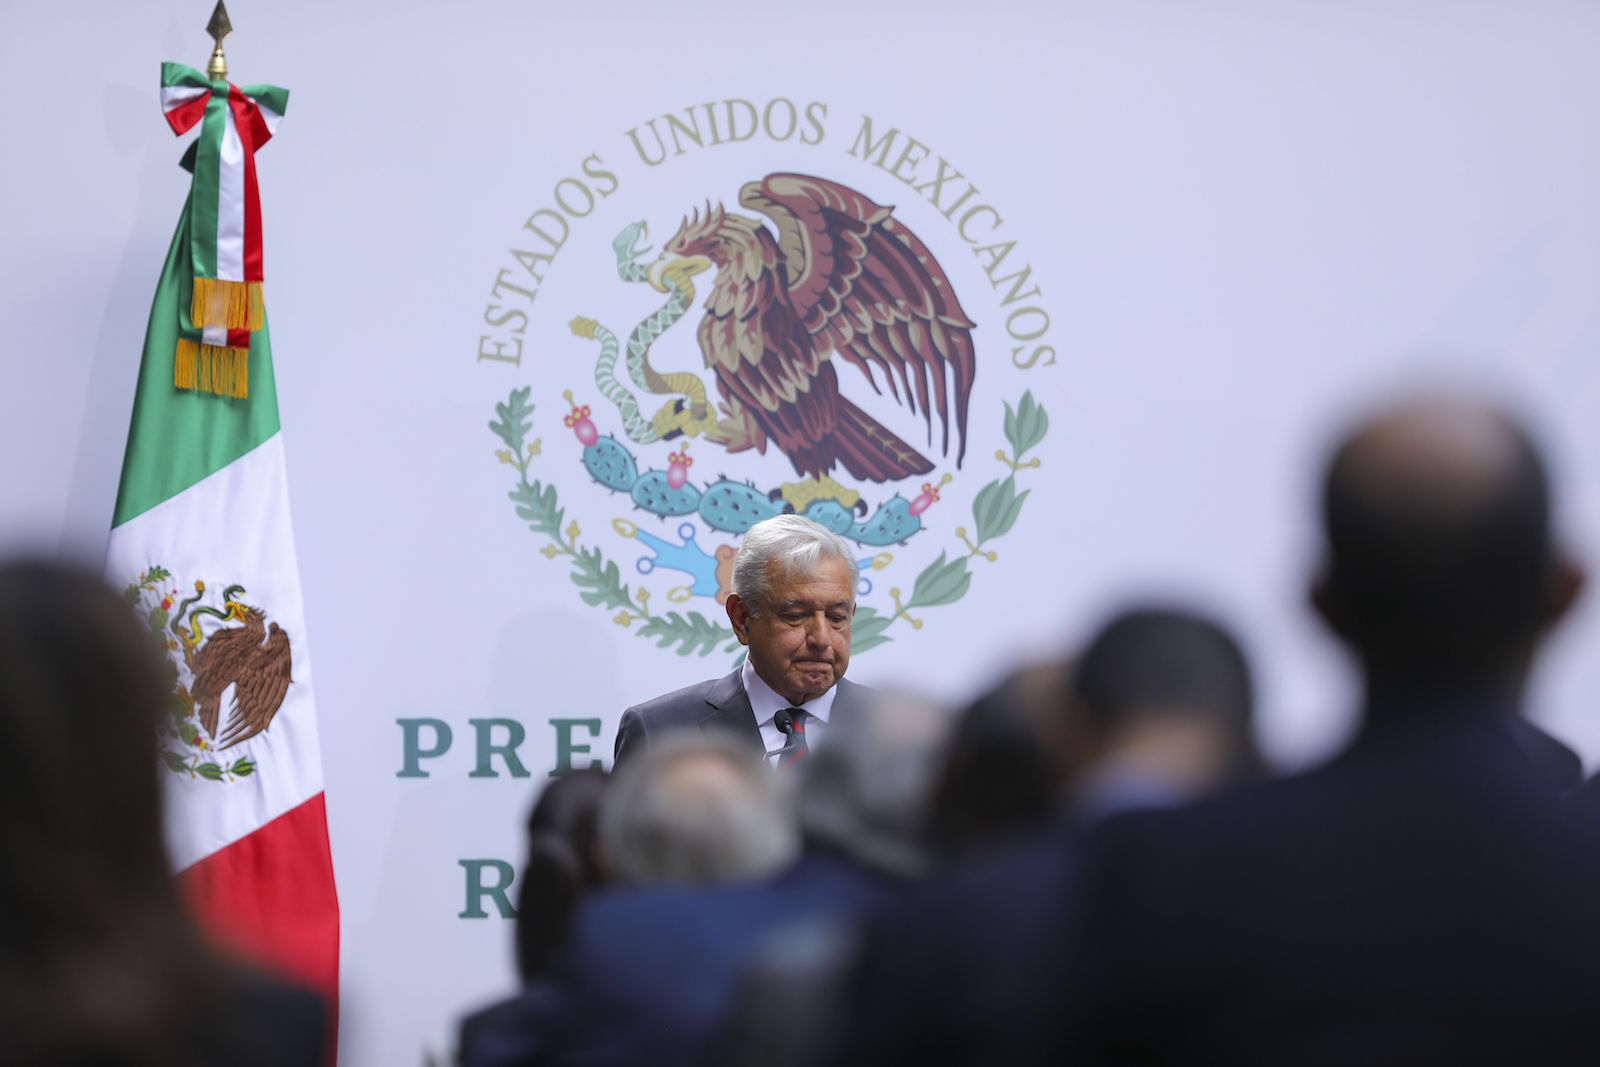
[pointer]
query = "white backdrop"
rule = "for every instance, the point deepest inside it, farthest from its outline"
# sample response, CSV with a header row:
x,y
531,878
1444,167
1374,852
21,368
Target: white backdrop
x,y
1242,219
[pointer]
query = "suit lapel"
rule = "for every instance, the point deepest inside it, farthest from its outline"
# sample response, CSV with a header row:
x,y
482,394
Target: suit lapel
x,y
728,708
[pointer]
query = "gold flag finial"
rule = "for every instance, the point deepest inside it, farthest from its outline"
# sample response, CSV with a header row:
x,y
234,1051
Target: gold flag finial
x,y
219,27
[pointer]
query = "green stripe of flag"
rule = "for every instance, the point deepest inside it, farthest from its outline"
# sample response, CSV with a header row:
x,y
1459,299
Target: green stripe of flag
x,y
173,74
271,97
208,184
179,437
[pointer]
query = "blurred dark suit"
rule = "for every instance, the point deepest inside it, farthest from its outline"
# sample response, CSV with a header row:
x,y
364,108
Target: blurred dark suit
x,y
649,970
968,968
1423,898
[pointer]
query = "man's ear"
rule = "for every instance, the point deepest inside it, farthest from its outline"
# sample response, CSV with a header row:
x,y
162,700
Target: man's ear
x,y
1566,583
739,618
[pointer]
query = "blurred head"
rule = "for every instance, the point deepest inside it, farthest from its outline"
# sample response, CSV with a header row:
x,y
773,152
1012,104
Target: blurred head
x,y
794,595
99,950
1003,767
1165,695
1440,566
82,686
694,808
867,792
562,865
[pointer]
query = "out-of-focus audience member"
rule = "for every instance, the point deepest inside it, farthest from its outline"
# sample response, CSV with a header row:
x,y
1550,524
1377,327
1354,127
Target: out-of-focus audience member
x,y
971,968
562,867
1167,713
652,965
864,810
99,961
1423,898
698,810
687,813
1006,766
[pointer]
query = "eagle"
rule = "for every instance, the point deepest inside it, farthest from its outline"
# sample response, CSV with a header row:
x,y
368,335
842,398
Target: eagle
x,y
844,277
252,659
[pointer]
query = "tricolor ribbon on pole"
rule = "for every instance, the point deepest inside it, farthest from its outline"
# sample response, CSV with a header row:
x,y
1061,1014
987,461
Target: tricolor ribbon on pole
x,y
223,306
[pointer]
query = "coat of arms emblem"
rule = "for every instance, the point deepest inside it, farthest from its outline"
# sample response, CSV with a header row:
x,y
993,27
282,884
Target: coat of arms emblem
x,y
223,658
820,275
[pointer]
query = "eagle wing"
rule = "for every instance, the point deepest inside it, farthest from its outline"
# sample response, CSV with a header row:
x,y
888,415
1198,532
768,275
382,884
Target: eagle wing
x,y
767,365
866,287
260,689
216,666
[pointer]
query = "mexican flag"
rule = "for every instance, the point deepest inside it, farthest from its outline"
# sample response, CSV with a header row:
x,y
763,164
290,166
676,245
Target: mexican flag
x,y
202,542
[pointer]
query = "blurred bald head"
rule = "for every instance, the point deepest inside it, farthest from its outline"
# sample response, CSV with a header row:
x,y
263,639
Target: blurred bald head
x,y
1440,557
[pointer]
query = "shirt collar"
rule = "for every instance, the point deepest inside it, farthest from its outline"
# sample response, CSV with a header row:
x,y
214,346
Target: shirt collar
x,y
766,703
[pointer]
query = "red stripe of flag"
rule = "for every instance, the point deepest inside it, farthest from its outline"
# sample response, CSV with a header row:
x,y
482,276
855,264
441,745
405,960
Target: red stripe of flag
x,y
249,126
183,117
270,896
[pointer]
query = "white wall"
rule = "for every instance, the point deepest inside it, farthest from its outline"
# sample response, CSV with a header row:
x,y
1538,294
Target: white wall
x,y
1243,218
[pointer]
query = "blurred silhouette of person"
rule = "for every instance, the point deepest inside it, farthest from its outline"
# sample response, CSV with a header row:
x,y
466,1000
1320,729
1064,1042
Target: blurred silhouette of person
x,y
100,964
1425,897
1001,778
970,968
651,969
1157,712
1166,708
562,867
694,811
864,811
689,812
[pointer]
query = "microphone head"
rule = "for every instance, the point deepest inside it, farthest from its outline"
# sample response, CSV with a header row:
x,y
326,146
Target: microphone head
x,y
784,721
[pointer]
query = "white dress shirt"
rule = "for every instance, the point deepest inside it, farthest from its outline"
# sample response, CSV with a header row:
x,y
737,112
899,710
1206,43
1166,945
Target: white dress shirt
x,y
765,704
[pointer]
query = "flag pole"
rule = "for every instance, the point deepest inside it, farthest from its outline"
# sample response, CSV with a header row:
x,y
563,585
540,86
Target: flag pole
x,y
219,27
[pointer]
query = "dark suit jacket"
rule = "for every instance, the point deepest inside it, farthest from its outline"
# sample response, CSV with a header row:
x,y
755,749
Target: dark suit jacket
x,y
969,967
1423,898
649,970
718,704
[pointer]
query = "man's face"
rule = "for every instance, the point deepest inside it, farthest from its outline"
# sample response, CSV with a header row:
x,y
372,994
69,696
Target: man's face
x,y
799,638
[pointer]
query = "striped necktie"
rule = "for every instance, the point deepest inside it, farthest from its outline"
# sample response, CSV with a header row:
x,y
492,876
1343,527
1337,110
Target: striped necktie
x,y
792,723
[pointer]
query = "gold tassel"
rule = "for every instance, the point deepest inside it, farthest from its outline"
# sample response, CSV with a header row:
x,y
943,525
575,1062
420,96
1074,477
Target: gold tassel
x,y
236,305
215,369
183,364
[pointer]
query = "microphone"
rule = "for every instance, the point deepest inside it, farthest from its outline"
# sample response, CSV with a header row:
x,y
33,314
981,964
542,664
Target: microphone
x,y
784,721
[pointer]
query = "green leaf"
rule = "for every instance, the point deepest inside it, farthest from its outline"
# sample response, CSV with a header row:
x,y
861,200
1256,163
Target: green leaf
x,y
692,633
940,583
996,508
181,705
131,594
157,573
1026,426
516,419
867,629
539,505
242,768
187,731
174,761
602,579
209,771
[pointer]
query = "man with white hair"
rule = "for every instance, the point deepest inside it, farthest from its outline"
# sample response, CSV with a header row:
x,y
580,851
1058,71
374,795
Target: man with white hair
x,y
793,598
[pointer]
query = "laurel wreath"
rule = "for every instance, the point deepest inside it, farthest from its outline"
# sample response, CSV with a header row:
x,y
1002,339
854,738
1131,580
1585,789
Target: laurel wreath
x,y
944,581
